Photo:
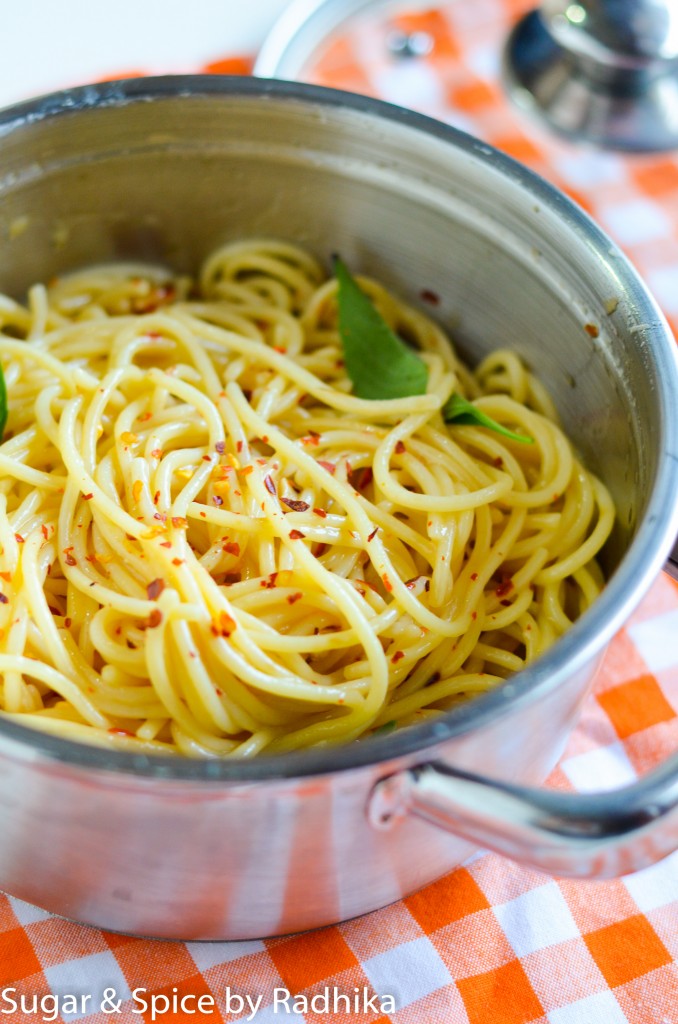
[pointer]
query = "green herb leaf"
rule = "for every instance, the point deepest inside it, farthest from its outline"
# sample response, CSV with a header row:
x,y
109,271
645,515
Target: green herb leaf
x,y
3,404
460,410
382,366
378,362
385,728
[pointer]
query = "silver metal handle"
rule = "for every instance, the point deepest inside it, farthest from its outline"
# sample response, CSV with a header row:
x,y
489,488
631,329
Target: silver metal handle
x,y
671,566
596,835
601,70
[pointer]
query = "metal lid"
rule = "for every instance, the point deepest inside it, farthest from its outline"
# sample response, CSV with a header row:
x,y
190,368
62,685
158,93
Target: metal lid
x,y
306,25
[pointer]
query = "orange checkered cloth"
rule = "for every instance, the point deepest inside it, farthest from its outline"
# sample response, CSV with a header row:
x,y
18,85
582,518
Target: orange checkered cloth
x,y
491,943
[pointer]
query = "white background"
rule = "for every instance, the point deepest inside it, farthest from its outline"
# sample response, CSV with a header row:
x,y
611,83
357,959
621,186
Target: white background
x,y
52,44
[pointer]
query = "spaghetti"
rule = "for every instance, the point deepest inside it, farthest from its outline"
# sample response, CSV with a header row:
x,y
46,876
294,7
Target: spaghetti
x,y
210,546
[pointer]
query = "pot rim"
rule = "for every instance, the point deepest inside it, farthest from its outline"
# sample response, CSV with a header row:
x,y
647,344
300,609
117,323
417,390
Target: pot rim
x,y
589,635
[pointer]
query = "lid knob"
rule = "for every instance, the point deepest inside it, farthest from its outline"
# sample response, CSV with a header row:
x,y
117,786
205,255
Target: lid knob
x,y
604,71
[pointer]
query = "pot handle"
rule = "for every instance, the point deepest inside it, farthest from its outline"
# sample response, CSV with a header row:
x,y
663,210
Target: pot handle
x,y
671,566
587,835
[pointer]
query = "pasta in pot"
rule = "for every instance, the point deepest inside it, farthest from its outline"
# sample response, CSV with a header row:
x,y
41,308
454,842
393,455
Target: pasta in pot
x,y
210,546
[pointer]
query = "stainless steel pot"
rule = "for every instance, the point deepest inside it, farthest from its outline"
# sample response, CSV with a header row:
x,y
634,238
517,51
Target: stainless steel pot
x,y
166,169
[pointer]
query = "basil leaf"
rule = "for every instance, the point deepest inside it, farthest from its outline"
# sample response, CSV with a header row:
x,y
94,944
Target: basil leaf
x,y
385,728
460,410
382,366
378,362
3,404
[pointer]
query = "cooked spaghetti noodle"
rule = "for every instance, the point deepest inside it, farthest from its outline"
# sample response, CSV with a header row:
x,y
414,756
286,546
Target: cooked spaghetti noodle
x,y
210,546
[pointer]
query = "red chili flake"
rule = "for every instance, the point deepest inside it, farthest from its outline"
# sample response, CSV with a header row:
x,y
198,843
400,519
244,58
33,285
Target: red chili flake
x,y
264,438
145,415
70,560
177,561
397,656
88,497
223,625
474,615
247,470
319,512
156,497
115,731
165,543
203,515
154,619
155,589
363,478
411,584
373,534
296,535
161,516
239,447
232,548
6,576
220,447
474,576
68,622
293,598
329,466
400,447
156,453
280,348
18,538
504,588
219,693
312,439
44,531
179,522
591,330
4,599
499,462
320,550
269,485
205,458
387,583
232,577
216,500
296,506
269,582
426,295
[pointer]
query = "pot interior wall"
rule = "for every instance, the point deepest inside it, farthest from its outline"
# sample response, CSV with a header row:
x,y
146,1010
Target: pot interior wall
x,y
170,178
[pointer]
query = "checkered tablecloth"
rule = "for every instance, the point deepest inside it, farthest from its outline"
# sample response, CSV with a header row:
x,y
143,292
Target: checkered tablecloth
x,y
491,943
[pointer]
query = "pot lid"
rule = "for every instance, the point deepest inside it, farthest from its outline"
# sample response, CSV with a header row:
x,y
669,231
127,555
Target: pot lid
x,y
309,41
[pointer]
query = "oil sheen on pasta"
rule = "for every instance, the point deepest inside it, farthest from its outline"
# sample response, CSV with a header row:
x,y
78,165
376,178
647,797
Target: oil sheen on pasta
x,y
210,547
